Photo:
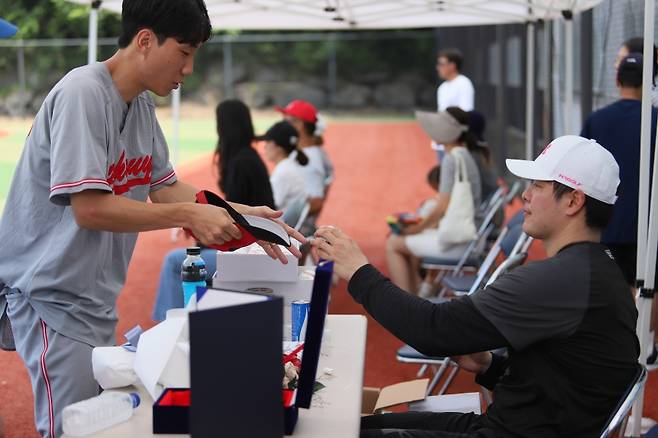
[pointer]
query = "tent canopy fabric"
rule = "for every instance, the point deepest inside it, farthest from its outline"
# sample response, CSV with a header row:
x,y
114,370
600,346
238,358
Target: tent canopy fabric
x,y
374,14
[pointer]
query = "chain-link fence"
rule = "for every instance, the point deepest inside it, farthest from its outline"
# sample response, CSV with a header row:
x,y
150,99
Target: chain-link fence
x,y
376,70
384,70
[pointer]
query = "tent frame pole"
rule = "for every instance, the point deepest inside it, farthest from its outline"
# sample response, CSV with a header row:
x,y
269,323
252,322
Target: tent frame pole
x,y
93,32
647,241
568,71
530,92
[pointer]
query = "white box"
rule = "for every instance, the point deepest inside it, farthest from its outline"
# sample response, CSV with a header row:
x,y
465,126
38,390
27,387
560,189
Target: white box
x,y
252,264
299,289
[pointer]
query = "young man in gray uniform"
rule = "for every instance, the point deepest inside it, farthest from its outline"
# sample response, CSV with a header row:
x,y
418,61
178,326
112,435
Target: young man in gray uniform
x,y
94,155
7,30
568,321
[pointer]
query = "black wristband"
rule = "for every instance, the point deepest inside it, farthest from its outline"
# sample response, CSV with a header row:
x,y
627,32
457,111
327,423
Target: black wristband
x,y
489,378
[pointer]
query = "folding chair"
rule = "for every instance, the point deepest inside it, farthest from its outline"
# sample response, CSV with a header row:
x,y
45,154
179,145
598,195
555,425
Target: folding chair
x,y
470,259
296,213
616,424
510,241
517,250
513,191
302,216
486,205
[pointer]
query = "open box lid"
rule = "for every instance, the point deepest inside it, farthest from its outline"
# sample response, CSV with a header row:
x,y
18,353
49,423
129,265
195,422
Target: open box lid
x,y
314,330
375,399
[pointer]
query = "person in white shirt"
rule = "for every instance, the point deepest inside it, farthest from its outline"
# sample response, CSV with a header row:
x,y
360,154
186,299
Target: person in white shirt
x,y
456,89
287,179
319,174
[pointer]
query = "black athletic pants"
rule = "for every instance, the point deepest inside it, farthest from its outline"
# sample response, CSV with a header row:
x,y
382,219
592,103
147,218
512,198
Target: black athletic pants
x,y
425,425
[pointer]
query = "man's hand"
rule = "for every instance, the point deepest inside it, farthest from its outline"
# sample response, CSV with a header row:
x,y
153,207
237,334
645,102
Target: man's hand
x,y
330,243
477,363
212,225
273,250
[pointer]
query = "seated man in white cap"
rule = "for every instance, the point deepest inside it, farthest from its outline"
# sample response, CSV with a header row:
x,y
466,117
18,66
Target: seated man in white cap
x,y
568,322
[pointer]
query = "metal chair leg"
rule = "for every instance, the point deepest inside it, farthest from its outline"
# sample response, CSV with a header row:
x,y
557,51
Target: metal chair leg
x,y
486,395
437,376
448,380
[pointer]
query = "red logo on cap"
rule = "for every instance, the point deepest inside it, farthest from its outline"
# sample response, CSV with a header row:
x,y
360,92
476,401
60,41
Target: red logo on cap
x,y
546,148
568,179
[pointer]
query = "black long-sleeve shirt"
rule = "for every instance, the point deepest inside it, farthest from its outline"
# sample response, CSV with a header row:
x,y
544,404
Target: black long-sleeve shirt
x,y
568,322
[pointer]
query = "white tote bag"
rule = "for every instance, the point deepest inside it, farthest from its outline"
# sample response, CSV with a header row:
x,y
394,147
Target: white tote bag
x,y
458,223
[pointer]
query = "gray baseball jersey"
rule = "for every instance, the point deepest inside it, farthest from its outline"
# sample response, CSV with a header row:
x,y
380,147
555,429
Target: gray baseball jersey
x,y
84,137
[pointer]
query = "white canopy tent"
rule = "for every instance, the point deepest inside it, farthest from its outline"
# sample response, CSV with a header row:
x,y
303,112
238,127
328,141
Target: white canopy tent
x,y
385,14
397,14
369,14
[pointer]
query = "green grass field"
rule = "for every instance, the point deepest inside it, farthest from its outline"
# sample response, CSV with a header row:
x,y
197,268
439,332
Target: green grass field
x,y
197,135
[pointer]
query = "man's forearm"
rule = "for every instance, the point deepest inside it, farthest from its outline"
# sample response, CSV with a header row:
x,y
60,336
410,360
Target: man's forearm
x,y
448,329
176,192
97,210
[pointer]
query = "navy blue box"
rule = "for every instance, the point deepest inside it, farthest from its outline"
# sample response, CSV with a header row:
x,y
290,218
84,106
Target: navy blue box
x,y
171,411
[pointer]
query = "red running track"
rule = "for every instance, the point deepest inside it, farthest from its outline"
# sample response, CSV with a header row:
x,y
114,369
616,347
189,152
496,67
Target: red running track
x,y
380,168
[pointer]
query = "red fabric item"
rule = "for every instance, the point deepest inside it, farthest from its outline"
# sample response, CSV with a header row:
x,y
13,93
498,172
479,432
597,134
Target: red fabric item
x,y
287,397
176,397
247,238
300,109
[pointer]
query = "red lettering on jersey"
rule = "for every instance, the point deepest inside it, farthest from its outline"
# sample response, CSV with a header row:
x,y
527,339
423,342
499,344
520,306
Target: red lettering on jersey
x,y
138,168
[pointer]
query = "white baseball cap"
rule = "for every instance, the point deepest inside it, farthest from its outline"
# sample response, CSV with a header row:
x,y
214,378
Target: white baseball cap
x,y
576,162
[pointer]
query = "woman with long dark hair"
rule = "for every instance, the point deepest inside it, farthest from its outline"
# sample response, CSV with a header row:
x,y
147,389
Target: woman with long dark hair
x,y
243,178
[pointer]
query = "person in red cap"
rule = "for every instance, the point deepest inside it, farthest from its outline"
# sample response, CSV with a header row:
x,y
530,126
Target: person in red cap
x,y
319,173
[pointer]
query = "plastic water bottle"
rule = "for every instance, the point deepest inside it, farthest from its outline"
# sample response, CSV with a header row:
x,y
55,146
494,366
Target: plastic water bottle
x,y
193,273
97,413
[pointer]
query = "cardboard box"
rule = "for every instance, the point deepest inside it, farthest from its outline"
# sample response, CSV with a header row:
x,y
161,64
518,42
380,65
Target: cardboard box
x,y
375,399
252,264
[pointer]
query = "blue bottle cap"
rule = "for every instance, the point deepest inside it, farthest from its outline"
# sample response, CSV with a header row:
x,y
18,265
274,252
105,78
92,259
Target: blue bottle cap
x,y
135,397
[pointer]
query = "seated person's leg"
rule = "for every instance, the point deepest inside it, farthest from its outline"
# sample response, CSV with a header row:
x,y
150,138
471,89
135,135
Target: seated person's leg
x,y
398,260
209,256
423,425
170,289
